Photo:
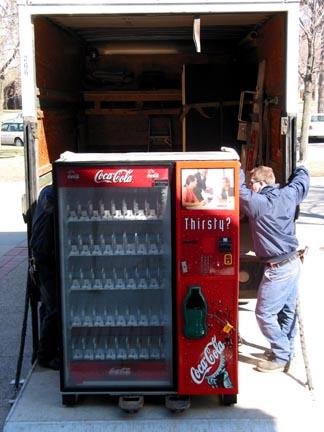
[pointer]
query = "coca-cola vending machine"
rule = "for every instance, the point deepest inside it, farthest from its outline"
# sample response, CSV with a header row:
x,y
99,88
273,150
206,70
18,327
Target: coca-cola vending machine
x,y
147,248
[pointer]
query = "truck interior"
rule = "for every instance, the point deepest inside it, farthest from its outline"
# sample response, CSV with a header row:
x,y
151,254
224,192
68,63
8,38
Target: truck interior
x,y
130,83
115,83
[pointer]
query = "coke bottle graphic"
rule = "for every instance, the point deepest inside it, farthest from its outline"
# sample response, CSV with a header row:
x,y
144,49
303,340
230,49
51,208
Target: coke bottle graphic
x,y
194,313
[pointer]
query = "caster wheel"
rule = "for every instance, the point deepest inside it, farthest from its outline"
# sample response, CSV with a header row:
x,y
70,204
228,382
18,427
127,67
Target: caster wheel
x,y
177,404
131,404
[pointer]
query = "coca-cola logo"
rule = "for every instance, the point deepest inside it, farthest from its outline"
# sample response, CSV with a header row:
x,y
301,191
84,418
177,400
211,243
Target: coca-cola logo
x,y
72,175
152,174
119,176
119,371
209,361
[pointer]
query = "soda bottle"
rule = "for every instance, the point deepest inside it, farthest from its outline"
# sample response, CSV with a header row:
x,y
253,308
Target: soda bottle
x,y
113,208
90,209
78,209
194,313
101,209
124,207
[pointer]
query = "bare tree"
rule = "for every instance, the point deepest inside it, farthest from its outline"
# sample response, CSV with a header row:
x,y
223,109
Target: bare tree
x,y
311,23
9,45
320,104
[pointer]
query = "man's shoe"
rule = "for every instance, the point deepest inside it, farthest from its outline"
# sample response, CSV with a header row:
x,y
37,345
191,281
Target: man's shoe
x,y
50,364
270,366
268,355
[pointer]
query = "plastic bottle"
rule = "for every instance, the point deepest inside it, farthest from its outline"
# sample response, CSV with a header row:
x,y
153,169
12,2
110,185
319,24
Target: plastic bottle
x,y
194,313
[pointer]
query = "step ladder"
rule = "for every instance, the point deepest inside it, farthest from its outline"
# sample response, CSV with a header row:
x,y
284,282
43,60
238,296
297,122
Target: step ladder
x,y
159,133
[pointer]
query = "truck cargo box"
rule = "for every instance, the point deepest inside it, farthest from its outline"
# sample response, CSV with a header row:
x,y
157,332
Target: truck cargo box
x,y
178,76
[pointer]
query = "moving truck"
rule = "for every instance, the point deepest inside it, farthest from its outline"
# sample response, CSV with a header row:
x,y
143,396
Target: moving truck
x,y
146,76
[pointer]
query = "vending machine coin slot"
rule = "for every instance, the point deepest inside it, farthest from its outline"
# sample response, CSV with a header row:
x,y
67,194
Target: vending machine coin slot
x,y
225,244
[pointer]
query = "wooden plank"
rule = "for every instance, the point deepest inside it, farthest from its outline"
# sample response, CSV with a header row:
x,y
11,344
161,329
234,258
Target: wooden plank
x,y
133,95
254,139
132,111
49,94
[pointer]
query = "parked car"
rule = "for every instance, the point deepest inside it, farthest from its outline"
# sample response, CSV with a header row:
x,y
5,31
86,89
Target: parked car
x,y
316,126
12,133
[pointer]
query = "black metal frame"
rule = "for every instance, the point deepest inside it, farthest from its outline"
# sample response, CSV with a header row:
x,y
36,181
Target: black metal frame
x,y
73,391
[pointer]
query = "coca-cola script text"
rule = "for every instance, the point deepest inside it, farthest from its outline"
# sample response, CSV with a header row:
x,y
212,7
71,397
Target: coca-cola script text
x,y
209,360
119,176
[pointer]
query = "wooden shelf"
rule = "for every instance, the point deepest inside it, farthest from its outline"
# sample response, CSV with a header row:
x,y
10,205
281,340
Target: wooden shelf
x,y
58,96
133,102
133,111
133,95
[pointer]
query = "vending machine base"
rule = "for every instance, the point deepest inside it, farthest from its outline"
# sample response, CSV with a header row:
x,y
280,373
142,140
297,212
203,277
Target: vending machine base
x,y
228,399
69,400
133,403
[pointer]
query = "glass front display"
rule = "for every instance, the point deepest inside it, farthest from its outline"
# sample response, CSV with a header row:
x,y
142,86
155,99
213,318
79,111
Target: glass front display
x,y
115,261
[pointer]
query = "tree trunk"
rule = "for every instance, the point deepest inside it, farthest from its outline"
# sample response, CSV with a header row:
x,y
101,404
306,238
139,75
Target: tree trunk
x,y
1,104
320,104
308,92
305,121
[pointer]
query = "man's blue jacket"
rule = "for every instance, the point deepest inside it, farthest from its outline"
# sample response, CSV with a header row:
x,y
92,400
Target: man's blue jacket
x,y
271,215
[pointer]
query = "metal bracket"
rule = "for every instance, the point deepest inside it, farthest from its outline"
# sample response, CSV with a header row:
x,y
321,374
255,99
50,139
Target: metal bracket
x,y
284,126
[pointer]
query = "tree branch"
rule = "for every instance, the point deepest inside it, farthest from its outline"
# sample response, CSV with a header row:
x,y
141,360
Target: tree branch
x,y
5,66
306,30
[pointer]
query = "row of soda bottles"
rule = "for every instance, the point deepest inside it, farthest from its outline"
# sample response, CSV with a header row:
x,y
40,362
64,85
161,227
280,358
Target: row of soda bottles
x,y
96,316
117,244
116,279
118,348
100,211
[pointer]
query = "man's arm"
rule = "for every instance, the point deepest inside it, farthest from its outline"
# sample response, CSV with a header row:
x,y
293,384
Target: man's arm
x,y
299,183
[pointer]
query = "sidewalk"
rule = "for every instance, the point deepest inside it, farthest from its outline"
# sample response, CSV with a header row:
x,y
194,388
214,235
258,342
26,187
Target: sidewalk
x,y
13,246
13,271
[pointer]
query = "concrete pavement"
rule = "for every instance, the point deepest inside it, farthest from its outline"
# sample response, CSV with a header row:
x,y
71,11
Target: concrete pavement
x,y
13,270
267,402
12,226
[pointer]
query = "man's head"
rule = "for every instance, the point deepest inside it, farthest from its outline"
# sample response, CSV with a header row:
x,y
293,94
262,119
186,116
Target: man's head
x,y
260,177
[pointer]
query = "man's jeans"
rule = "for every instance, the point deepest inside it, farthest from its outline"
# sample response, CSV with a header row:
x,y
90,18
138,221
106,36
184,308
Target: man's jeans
x,y
276,308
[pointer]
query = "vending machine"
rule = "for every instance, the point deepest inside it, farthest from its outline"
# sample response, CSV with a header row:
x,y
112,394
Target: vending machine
x,y
147,248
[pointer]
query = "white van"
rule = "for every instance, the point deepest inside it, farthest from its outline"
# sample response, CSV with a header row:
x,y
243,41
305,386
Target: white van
x,y
316,126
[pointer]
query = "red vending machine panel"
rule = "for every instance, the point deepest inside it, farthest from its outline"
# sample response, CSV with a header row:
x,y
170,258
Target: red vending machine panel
x,y
207,237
